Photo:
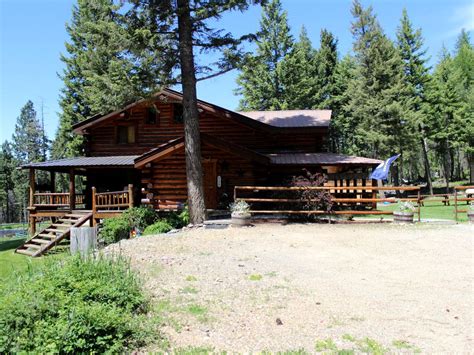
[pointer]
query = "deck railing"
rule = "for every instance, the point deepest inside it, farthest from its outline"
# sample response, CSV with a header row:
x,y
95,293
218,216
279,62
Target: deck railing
x,y
55,199
112,200
349,200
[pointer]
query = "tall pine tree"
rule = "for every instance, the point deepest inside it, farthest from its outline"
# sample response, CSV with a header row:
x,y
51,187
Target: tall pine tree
x,y
298,75
377,93
326,66
260,80
416,76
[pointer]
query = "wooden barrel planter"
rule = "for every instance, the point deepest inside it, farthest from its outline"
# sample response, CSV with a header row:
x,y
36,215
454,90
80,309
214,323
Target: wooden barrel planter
x,y
403,217
240,219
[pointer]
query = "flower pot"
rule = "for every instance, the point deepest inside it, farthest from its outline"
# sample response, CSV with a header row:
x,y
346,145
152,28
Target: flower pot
x,y
403,217
240,219
470,216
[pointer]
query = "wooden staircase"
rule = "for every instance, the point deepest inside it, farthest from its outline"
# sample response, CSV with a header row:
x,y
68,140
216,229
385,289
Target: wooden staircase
x,y
53,234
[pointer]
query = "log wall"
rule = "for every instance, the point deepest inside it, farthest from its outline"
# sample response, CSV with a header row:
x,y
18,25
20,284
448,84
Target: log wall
x,y
166,178
102,139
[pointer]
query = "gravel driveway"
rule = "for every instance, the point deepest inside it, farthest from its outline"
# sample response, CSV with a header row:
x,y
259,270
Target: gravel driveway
x,y
313,287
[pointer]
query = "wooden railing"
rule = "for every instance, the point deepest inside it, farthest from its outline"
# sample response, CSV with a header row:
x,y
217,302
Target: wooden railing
x,y
458,199
55,199
342,197
112,200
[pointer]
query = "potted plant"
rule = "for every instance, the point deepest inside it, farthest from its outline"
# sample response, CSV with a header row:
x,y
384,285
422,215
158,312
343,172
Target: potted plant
x,y
240,213
470,212
404,212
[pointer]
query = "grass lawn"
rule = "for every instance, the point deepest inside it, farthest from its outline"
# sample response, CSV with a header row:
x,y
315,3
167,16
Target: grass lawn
x,y
9,261
434,210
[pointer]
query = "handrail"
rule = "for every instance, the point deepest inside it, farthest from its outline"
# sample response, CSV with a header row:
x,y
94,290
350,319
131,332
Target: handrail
x,y
112,199
55,199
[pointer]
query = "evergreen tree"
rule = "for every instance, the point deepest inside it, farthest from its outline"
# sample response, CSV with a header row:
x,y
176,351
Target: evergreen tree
x,y
444,107
186,25
299,75
106,67
342,124
410,46
464,63
377,92
327,61
7,168
261,78
27,146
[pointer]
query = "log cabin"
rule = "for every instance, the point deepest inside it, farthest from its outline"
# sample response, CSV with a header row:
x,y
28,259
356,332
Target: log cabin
x,y
140,149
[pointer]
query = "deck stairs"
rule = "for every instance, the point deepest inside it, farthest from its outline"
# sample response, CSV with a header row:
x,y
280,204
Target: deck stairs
x,y
52,235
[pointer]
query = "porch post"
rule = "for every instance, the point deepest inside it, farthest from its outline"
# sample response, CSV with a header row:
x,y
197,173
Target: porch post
x,y
32,219
72,190
130,195
52,179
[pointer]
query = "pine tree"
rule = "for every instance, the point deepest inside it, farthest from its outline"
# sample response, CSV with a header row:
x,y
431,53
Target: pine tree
x,y
444,105
7,168
342,124
326,66
27,146
377,92
416,76
260,80
298,71
464,62
185,25
107,66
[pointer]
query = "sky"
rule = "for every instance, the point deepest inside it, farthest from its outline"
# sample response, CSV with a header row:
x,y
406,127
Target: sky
x,y
32,37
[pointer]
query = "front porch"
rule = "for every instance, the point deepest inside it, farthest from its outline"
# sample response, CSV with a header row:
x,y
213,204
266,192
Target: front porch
x,y
103,187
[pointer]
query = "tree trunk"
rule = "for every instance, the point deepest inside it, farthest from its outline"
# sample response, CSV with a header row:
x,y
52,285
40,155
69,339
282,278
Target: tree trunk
x,y
197,208
447,164
426,161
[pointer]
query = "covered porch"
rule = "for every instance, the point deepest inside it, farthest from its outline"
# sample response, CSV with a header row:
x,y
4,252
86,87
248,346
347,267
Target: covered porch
x,y
103,186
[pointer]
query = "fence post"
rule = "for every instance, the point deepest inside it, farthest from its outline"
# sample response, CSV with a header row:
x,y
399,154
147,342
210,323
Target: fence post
x,y
456,204
83,240
130,195
419,204
94,222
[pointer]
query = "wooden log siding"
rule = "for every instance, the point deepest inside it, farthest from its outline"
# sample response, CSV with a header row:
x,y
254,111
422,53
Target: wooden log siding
x,y
166,178
102,139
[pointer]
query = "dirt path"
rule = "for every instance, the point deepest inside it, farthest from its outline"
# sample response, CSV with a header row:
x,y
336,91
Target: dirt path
x,y
313,286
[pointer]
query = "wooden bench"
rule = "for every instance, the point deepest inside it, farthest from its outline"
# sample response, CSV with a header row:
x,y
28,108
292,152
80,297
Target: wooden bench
x,y
436,197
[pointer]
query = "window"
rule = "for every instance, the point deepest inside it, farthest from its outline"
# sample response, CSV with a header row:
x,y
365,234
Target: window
x,y
178,113
152,115
125,134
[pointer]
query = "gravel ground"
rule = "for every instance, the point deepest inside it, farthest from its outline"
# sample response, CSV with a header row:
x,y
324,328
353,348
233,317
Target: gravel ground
x,y
278,288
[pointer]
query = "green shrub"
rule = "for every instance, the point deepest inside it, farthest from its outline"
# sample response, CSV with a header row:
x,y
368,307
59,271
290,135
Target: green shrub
x,y
73,306
158,227
115,229
139,217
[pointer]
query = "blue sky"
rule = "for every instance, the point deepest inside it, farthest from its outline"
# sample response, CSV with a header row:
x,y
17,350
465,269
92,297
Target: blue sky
x,y
32,36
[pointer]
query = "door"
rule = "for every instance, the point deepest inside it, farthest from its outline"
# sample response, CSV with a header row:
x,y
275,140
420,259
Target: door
x,y
209,182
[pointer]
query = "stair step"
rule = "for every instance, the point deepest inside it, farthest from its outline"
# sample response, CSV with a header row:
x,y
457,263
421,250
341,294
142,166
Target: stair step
x,y
44,235
41,241
73,215
68,221
26,252
54,230
34,246
60,225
